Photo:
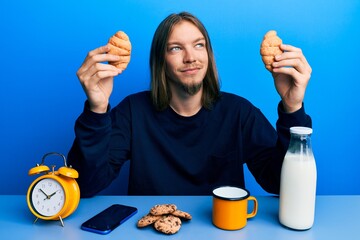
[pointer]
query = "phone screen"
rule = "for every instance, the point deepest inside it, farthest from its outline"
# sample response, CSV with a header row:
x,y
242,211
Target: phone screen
x,y
107,220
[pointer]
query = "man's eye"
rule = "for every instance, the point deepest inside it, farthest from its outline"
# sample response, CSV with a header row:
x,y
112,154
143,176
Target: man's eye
x,y
200,45
174,49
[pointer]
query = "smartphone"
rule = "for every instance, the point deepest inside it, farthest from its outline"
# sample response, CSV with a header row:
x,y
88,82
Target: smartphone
x,y
107,220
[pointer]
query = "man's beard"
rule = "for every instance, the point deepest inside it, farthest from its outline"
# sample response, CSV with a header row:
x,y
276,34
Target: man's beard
x,y
187,88
191,89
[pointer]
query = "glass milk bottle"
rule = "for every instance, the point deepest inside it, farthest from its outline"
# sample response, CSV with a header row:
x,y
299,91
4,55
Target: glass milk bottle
x,y
298,182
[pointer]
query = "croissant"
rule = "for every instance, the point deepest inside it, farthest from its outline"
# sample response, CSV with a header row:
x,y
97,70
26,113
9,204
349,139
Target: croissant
x,y
120,45
270,47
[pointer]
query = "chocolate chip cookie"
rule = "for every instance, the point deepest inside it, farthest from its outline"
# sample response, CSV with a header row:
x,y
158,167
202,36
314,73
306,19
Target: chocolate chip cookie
x,y
162,209
168,224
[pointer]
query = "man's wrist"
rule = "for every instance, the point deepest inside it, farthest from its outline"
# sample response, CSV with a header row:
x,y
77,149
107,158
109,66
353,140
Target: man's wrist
x,y
99,109
291,108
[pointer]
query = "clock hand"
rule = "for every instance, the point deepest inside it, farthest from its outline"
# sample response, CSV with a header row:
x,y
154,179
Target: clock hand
x,y
52,194
47,196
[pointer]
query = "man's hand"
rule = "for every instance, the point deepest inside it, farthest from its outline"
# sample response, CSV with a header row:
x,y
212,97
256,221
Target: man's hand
x,y
291,73
96,77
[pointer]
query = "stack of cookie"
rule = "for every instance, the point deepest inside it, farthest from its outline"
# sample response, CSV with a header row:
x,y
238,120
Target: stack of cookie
x,y
165,218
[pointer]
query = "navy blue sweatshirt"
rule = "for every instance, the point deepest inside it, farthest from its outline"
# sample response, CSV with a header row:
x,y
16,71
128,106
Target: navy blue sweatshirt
x,y
174,155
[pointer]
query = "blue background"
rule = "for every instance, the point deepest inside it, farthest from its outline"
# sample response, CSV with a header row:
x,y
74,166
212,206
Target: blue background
x,y
43,43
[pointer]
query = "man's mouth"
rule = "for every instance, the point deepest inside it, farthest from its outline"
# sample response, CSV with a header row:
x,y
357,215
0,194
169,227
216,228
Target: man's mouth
x,y
191,70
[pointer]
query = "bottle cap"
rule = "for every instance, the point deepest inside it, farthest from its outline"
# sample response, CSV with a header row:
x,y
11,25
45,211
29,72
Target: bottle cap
x,y
301,130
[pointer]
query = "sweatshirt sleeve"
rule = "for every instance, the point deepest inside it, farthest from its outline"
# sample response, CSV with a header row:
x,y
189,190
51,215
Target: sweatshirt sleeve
x,y
265,159
90,152
288,120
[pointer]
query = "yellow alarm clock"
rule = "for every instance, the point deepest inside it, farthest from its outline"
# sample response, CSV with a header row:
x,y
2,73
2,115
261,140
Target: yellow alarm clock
x,y
55,194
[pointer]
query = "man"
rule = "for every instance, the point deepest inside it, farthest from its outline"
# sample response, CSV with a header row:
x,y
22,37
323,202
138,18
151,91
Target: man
x,y
184,136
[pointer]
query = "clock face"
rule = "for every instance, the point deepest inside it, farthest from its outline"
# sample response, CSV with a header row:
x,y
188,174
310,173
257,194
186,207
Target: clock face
x,y
47,197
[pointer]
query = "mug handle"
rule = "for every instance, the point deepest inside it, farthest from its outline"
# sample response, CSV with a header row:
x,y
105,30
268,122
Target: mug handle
x,y
253,213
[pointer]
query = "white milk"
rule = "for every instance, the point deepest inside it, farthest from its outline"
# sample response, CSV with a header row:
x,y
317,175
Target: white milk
x,y
298,191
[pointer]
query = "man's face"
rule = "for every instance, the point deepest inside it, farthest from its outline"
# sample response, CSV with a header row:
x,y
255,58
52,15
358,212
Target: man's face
x,y
186,57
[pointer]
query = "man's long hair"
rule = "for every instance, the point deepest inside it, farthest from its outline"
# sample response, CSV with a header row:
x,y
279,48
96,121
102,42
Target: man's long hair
x,y
160,91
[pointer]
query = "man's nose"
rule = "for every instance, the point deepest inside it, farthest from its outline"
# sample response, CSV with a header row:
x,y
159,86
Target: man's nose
x,y
189,56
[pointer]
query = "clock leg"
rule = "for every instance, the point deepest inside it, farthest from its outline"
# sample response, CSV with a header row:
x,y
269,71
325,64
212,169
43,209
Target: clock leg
x,y
61,220
35,220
